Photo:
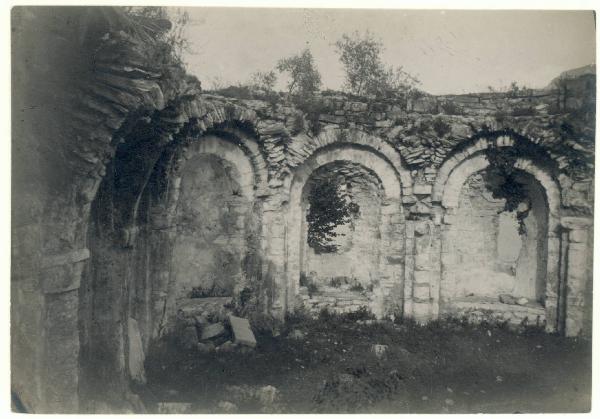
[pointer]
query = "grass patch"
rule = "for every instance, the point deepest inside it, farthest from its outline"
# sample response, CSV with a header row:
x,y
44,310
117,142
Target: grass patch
x,y
333,369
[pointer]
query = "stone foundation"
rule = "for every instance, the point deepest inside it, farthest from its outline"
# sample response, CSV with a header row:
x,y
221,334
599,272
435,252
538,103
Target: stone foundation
x,y
477,310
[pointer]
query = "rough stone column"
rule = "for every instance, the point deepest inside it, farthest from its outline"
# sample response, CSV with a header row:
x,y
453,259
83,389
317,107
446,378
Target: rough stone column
x,y
553,276
409,268
27,313
391,267
578,273
274,242
426,274
448,259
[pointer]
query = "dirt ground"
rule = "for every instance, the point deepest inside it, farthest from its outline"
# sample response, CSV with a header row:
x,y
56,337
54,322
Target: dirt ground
x,y
329,365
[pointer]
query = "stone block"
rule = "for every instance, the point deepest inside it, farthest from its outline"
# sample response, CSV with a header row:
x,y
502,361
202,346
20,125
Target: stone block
x,y
422,261
420,208
212,331
421,311
395,260
242,331
421,292
384,124
507,299
422,277
379,350
422,189
578,236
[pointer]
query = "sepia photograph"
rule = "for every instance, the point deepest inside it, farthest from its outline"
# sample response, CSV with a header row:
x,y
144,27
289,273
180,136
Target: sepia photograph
x,y
301,210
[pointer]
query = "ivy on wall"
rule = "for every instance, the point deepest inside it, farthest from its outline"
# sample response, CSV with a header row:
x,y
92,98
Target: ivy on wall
x,y
328,208
501,178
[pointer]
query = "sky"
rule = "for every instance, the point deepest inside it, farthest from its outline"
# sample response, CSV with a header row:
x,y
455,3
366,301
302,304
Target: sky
x,y
449,51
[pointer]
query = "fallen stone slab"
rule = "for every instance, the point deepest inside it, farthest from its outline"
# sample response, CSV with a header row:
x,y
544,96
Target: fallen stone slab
x,y
212,331
379,350
242,332
522,301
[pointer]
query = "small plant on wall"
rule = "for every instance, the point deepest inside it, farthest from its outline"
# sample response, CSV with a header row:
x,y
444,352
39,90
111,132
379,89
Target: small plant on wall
x,y
327,210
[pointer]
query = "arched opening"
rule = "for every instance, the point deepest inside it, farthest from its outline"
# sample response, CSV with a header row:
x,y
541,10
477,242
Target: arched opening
x,y
345,264
170,223
206,230
211,220
496,262
498,252
366,264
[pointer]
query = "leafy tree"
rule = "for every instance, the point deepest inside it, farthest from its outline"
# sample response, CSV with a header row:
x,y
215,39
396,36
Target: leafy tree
x,y
327,209
365,72
305,79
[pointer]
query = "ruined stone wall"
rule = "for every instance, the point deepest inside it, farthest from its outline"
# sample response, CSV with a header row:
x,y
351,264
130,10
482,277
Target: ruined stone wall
x,y
100,151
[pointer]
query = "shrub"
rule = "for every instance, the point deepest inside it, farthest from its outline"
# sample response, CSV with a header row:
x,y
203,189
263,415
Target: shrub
x,y
524,111
363,313
335,282
358,287
450,108
441,127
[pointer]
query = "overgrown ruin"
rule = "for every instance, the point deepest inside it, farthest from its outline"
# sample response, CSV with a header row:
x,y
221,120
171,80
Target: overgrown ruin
x,y
136,196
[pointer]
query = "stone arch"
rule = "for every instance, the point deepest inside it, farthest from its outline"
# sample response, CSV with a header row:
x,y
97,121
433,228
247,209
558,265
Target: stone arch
x,y
233,150
452,176
476,146
334,137
391,186
149,149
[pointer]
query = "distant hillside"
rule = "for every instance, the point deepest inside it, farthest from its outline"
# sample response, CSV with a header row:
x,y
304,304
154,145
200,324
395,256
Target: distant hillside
x,y
572,74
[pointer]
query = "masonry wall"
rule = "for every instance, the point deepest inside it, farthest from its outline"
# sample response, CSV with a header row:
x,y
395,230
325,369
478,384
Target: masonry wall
x,y
99,154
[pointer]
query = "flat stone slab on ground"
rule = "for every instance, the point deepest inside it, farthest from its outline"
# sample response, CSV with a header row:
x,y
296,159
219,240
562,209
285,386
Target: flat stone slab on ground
x,y
212,331
242,331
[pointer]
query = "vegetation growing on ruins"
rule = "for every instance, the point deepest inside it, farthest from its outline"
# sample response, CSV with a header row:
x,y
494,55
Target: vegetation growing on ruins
x,y
327,210
167,29
319,366
366,74
305,79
